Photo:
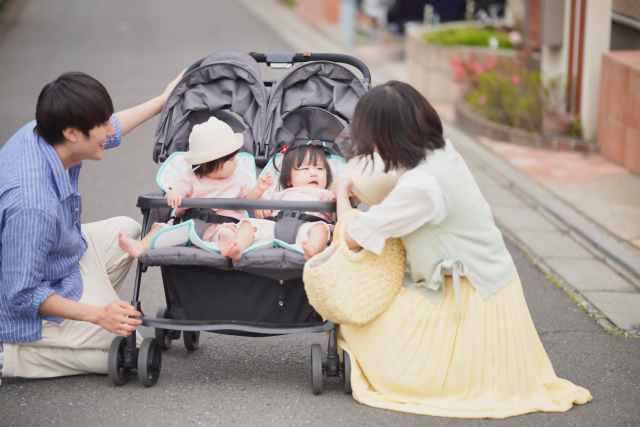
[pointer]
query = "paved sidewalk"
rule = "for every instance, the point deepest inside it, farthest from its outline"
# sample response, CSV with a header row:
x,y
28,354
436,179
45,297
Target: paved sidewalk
x,y
586,249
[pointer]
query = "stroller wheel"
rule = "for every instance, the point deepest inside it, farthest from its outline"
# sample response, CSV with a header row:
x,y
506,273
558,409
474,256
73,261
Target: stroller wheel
x,y
191,339
346,372
118,372
316,369
149,362
163,335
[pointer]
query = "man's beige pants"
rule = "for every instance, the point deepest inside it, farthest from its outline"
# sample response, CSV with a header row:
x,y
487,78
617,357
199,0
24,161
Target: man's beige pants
x,y
72,347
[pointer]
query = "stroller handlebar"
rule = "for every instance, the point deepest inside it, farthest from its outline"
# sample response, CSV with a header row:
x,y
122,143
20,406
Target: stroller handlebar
x,y
292,58
158,201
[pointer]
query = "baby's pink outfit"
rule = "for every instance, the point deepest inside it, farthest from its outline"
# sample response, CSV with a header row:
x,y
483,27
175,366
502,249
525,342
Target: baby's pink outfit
x,y
264,229
192,186
303,194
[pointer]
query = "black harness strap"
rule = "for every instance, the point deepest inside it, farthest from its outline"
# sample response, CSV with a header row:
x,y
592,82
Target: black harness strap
x,y
296,215
204,214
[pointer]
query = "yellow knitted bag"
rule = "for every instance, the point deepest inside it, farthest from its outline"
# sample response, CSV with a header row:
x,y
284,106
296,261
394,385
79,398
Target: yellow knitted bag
x,y
353,287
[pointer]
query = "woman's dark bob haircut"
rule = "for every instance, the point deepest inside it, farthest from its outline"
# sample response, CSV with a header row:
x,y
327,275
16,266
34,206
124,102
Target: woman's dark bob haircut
x,y
75,100
295,157
214,165
399,122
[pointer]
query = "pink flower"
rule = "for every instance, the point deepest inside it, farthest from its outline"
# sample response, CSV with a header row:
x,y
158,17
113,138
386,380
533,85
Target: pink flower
x,y
454,62
515,79
515,37
489,65
477,67
482,100
459,70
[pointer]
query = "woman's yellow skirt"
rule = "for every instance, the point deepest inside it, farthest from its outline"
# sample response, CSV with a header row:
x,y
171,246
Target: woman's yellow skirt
x,y
418,357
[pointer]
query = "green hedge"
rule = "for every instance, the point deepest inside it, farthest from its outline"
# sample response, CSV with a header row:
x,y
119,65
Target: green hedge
x,y
468,37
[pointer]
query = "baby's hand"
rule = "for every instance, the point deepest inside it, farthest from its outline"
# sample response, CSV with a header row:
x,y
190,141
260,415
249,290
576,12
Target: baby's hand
x,y
174,198
328,195
265,182
263,213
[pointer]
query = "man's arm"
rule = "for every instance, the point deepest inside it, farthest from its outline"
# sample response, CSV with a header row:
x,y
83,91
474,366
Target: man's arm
x,y
135,116
112,317
27,239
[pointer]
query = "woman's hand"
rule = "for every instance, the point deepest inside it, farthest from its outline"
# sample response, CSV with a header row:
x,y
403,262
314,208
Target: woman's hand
x,y
113,318
263,213
174,198
342,186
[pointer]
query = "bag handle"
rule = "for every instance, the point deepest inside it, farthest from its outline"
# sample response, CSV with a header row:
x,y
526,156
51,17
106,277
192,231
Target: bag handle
x,y
341,226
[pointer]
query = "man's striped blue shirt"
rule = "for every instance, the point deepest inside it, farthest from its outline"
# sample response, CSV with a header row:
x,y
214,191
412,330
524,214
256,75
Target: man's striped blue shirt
x,y
40,237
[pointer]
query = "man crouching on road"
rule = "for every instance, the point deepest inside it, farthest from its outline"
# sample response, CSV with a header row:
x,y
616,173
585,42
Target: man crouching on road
x,y
59,307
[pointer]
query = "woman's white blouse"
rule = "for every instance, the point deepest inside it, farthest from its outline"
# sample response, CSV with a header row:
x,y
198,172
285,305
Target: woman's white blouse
x,y
416,200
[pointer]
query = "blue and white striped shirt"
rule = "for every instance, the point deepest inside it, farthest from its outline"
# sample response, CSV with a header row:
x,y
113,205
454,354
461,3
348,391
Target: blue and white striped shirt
x,y
40,237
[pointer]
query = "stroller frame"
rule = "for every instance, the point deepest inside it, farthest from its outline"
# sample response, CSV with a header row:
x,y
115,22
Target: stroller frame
x,y
125,357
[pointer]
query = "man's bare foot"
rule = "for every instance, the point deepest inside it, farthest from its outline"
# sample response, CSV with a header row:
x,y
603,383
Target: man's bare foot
x,y
130,246
309,250
232,250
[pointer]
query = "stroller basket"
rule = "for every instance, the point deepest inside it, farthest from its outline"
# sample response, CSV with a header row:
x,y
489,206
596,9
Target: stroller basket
x,y
262,294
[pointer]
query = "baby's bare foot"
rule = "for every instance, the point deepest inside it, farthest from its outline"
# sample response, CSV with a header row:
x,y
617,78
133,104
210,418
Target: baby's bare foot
x,y
130,246
232,251
309,250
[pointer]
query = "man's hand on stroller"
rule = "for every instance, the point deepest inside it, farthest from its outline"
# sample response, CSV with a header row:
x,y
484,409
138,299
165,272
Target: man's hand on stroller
x,y
118,317
174,198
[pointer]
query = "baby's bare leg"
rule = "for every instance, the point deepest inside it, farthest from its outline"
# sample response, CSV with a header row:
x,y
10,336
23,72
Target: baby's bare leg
x,y
135,247
317,241
233,246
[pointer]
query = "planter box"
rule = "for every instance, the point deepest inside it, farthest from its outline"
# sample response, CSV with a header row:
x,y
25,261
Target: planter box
x,y
428,63
315,12
468,120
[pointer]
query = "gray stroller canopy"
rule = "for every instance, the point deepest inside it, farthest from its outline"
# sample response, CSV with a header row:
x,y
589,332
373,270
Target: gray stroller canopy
x,y
312,101
225,82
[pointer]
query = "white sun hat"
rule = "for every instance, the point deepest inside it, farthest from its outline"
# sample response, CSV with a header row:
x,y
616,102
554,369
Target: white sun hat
x,y
371,184
210,141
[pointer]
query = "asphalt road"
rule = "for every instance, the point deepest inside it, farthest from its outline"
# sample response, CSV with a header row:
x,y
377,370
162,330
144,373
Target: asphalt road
x,y
135,48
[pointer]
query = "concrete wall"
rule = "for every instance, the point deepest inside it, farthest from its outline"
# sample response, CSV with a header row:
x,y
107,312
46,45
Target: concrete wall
x,y
597,41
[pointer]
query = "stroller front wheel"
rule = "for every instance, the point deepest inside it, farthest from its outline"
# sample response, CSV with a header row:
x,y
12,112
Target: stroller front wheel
x,y
346,379
191,339
316,369
163,335
118,372
149,362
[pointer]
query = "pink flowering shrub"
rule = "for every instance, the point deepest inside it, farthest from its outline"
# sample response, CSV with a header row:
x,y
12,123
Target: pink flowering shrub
x,y
502,90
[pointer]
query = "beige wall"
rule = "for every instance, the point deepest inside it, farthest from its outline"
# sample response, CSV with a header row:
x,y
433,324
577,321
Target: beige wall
x,y
597,42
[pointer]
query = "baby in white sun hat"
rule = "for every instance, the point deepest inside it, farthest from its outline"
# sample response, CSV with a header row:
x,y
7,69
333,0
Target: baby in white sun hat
x,y
212,151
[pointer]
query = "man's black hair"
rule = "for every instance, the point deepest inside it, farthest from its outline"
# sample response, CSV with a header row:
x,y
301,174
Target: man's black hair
x,y
75,100
295,157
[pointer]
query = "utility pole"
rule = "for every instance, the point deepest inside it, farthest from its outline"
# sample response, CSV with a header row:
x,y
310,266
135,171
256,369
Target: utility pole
x,y
348,10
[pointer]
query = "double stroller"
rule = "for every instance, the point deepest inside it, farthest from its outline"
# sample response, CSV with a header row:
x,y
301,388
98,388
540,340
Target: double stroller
x,y
261,294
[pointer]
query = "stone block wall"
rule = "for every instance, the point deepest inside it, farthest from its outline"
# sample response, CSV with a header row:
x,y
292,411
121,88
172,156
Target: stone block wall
x,y
619,110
